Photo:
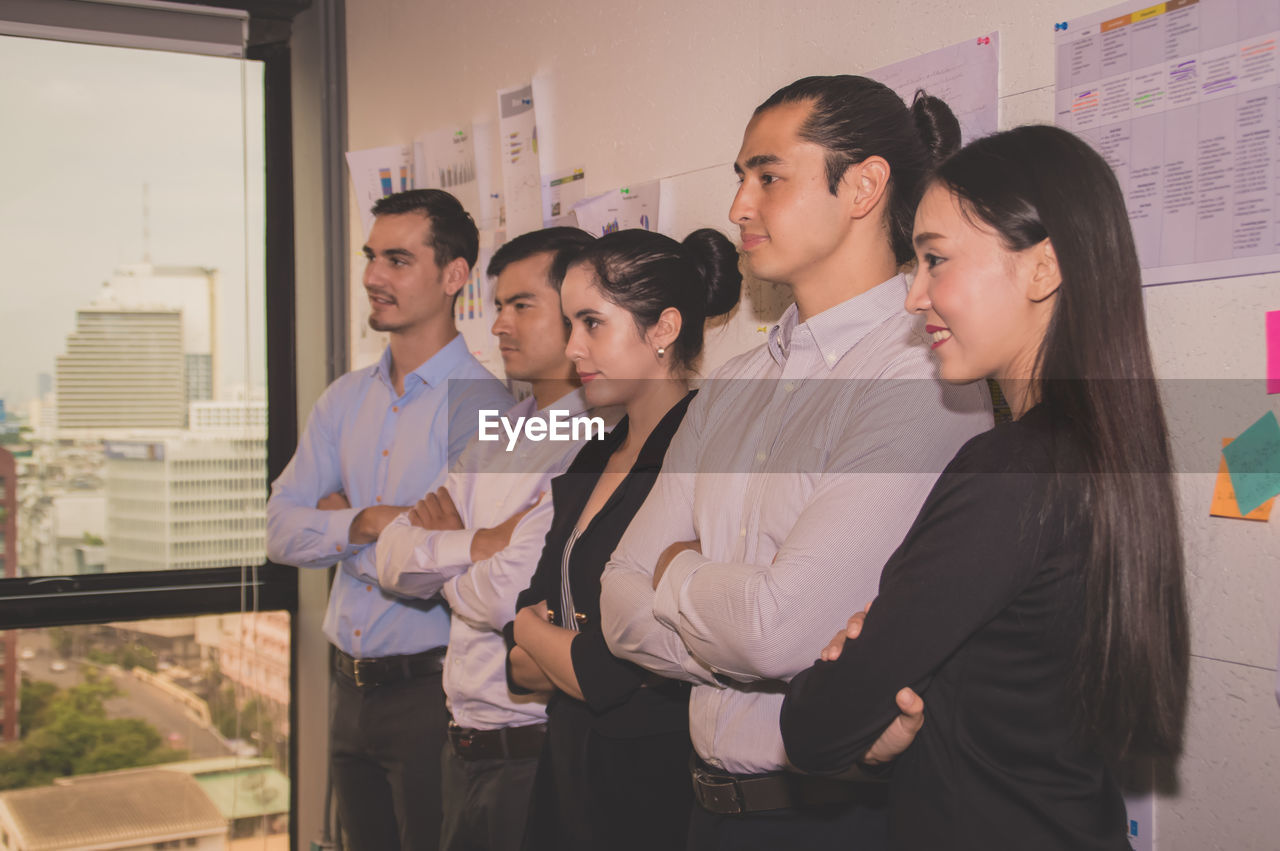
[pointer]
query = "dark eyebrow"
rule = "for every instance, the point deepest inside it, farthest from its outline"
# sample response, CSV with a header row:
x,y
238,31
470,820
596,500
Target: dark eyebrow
x,y
581,314
514,298
757,161
922,238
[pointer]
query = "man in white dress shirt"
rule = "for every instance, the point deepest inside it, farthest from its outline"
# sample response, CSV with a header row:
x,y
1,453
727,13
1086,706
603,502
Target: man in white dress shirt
x,y
477,541
822,449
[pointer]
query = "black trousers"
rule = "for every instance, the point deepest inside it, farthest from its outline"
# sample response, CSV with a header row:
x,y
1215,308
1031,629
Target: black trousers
x,y
385,744
844,826
486,802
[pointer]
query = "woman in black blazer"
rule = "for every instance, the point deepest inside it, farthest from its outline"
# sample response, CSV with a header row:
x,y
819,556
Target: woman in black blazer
x,y
614,771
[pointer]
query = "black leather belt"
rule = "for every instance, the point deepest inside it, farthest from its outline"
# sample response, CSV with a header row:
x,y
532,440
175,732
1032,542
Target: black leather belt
x,y
503,743
729,794
384,670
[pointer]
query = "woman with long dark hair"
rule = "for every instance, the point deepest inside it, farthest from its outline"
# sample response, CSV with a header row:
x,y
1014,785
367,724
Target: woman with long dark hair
x,y
1037,602
614,771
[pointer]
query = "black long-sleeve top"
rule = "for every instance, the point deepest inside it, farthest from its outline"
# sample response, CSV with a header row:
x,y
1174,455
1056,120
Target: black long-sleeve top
x,y
979,612
625,700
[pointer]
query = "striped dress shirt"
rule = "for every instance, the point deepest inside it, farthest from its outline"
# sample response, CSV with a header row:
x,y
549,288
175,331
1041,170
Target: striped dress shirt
x,y
799,468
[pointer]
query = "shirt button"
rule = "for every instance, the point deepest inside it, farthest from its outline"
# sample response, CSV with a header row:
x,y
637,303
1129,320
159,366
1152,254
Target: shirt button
x,y
357,633
760,456
831,358
368,587
789,386
377,499
742,533
338,547
395,409
384,453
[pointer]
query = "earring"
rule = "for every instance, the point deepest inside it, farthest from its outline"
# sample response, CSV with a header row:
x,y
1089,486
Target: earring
x,y
661,351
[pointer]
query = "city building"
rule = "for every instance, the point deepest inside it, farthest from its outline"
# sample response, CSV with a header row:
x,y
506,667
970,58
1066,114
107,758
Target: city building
x,y
192,290
124,368
251,794
134,810
9,679
252,652
190,499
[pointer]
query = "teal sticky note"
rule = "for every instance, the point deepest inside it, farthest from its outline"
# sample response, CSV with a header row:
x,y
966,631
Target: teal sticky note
x,y
1253,459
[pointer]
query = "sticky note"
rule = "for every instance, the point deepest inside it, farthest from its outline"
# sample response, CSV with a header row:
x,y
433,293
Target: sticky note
x,y
1224,496
1273,351
1253,459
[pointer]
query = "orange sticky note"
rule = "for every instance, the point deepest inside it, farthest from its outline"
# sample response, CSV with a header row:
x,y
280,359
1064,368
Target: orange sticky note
x,y
1224,496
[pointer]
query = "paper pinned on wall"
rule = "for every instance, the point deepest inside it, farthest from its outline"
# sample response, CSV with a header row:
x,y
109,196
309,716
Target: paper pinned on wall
x,y
965,75
518,147
473,309
1273,351
488,186
1254,461
559,194
634,206
446,159
1179,98
377,173
1224,496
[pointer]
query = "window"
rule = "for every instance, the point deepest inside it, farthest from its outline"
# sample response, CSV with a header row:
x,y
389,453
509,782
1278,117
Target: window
x,y
135,388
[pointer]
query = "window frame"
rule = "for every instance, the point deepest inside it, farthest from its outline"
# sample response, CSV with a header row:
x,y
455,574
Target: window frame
x,y
40,602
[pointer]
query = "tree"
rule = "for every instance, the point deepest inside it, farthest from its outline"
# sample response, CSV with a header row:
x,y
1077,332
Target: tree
x,y
71,734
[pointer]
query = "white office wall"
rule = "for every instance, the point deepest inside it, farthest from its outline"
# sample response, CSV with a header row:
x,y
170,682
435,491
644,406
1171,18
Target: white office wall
x,y
640,91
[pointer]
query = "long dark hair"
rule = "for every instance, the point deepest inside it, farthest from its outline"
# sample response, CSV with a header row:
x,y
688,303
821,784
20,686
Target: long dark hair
x,y
856,117
645,273
1094,374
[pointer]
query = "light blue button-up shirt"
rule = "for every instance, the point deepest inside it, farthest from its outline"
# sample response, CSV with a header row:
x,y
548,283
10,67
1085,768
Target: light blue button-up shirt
x,y
379,448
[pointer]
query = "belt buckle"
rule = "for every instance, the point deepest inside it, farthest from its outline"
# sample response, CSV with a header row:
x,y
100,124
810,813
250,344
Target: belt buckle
x,y
718,794
356,665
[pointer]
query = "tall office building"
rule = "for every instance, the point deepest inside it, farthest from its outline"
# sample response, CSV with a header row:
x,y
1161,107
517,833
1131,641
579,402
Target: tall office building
x,y
141,352
124,368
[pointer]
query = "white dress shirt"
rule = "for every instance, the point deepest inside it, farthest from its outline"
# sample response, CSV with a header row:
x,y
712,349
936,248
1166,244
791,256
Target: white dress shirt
x,y
488,485
799,468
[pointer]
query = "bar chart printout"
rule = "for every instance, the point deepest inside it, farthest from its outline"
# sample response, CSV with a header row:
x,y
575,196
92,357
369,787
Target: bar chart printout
x,y
1181,98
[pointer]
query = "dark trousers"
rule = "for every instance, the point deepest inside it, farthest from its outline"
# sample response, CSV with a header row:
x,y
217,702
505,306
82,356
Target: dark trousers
x,y
844,826
486,802
385,745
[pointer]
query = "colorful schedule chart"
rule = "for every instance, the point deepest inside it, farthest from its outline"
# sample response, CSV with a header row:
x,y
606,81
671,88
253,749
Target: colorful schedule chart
x,y
1183,100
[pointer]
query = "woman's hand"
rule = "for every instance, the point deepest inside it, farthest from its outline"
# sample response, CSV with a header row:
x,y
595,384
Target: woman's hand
x,y
486,543
852,629
901,732
899,735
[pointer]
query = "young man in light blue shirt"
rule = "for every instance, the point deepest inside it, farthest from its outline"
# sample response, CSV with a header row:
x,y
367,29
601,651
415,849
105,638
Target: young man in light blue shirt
x,y
377,440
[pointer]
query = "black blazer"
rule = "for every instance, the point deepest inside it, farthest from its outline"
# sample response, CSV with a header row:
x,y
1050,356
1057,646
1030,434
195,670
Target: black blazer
x,y
624,699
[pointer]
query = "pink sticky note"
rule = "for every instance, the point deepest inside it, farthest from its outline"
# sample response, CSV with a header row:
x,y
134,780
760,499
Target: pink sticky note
x,y
1273,351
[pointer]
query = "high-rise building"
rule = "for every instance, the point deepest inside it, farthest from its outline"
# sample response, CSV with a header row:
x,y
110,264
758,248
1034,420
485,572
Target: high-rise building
x,y
194,291
141,352
124,368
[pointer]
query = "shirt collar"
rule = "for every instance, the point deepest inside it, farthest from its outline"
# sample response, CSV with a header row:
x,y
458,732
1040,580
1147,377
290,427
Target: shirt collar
x,y
838,329
435,369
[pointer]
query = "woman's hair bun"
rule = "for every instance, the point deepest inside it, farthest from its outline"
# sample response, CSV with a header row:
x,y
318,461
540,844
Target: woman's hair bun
x,y
937,125
715,259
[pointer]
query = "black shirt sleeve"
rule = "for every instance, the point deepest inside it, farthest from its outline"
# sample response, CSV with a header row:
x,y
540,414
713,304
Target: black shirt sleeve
x,y
974,545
